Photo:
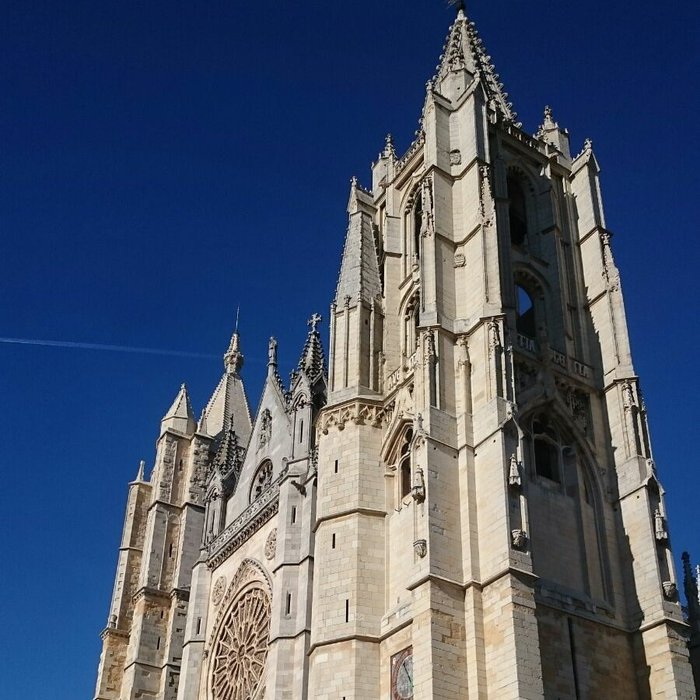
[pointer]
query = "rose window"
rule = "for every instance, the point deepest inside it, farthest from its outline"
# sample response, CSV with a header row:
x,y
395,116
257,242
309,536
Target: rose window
x,y
239,653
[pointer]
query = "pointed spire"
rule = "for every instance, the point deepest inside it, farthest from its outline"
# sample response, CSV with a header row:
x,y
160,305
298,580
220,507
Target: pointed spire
x,y
312,360
359,269
141,474
180,415
464,50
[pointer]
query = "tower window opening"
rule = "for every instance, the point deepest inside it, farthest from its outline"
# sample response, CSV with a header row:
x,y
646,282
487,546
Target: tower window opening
x,y
335,469
294,515
417,223
288,606
546,449
525,313
517,213
405,465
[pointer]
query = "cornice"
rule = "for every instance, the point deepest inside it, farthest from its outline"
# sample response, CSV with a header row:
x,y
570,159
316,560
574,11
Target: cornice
x,y
246,524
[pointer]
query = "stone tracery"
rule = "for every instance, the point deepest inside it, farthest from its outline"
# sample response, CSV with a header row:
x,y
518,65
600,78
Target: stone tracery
x,y
240,649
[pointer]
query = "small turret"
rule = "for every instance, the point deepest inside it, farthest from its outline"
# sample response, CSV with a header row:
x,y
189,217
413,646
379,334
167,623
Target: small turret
x,y
551,133
355,315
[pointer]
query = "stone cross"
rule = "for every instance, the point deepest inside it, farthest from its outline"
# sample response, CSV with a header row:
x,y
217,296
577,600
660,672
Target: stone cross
x,y
314,321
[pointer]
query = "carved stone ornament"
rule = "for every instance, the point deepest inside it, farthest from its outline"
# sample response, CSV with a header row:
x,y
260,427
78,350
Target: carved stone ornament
x,y
514,478
670,590
271,545
218,591
420,547
519,539
660,526
240,650
265,428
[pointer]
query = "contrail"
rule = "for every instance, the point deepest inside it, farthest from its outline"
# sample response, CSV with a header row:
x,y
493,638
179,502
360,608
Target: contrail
x,y
108,348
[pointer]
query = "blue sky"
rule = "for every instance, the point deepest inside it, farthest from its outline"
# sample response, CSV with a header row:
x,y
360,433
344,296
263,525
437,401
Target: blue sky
x,y
163,162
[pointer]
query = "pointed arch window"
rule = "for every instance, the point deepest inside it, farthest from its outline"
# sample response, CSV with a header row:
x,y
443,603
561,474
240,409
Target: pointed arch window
x,y
517,212
417,224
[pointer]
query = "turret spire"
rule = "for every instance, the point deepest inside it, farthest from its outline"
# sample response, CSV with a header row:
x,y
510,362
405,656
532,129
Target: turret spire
x,y
359,270
180,416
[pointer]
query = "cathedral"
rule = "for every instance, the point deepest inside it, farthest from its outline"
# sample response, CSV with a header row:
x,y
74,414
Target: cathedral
x,y
457,497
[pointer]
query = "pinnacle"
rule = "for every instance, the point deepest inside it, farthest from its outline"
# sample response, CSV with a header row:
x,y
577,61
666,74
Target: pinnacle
x,y
233,358
228,455
312,360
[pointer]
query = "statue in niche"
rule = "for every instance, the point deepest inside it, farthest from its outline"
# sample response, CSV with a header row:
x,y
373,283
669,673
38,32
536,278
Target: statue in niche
x,y
514,478
265,434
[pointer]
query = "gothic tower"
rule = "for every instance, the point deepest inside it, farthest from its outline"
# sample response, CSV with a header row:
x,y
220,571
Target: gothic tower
x,y
489,522
143,642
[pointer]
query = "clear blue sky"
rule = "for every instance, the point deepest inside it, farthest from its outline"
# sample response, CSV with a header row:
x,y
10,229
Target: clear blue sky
x,y
162,162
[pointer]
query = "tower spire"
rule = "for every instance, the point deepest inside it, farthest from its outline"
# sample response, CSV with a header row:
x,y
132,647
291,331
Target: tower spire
x,y
229,400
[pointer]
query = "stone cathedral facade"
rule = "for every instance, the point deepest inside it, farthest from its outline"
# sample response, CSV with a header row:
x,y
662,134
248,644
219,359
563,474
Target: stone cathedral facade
x,y
461,500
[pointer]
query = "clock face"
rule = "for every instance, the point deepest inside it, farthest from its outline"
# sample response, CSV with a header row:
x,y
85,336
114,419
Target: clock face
x,y
402,675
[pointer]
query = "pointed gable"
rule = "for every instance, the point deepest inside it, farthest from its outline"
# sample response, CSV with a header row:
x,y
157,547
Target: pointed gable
x,y
359,270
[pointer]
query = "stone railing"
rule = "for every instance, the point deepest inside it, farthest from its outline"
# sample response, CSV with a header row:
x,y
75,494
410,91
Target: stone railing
x,y
393,380
246,524
569,364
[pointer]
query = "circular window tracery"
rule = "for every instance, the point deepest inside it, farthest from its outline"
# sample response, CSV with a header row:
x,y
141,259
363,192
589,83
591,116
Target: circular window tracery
x,y
261,480
240,650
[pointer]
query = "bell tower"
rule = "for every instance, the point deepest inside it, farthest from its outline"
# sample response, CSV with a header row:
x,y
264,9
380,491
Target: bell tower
x,y
490,520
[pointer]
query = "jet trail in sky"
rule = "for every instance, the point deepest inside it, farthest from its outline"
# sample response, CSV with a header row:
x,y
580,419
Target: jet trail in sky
x,y
108,348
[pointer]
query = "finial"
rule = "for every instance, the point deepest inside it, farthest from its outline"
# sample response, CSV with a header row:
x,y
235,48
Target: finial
x,y
389,150
314,321
238,311
272,352
233,359
461,7
142,471
588,145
